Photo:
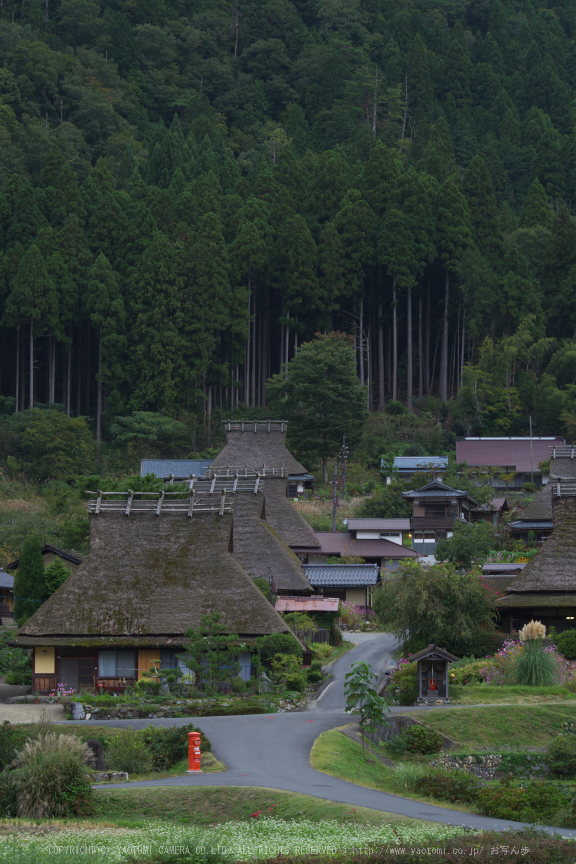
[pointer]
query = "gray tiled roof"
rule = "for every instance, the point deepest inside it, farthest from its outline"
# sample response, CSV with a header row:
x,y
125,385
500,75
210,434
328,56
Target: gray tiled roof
x,y
346,575
436,490
6,580
378,524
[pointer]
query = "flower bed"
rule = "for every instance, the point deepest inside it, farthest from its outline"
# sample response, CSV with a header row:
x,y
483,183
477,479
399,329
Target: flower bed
x,y
125,709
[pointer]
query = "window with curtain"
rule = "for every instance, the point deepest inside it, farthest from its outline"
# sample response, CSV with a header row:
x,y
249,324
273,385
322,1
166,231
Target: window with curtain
x,y
117,664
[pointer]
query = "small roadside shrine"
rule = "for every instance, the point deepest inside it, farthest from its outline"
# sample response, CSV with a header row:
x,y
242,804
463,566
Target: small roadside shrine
x,y
432,664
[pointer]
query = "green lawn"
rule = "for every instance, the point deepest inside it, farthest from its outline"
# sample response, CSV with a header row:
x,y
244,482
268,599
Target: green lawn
x,y
207,806
505,726
482,694
336,754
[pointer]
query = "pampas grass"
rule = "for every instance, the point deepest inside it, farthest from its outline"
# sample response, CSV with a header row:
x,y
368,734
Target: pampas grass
x,y
535,667
52,774
531,631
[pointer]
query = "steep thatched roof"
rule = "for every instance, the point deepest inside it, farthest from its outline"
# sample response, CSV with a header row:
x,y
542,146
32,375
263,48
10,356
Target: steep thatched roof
x,y
149,575
260,550
541,507
257,444
553,569
563,465
283,517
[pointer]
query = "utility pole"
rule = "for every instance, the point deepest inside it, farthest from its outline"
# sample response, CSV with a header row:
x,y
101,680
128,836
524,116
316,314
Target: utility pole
x,y
335,497
344,450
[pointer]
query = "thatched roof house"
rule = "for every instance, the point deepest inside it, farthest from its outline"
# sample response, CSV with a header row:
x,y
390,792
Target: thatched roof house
x,y
147,579
260,550
260,447
546,588
536,517
257,444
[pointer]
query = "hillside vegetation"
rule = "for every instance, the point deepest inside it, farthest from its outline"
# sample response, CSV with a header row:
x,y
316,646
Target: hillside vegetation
x,y
191,189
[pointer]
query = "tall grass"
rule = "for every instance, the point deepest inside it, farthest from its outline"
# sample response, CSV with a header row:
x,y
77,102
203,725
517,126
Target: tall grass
x,y
535,667
407,775
52,777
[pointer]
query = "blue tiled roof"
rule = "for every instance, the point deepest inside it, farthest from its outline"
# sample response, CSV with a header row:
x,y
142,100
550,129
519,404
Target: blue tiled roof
x,y
177,467
411,463
346,575
301,476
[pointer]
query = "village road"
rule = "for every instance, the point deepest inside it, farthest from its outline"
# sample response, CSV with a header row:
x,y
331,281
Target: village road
x,y
273,751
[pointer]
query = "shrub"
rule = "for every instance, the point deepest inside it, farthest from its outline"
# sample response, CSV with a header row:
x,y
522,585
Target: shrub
x,y
297,682
566,644
127,751
422,739
471,673
396,745
53,777
487,642
449,785
314,676
147,687
535,667
277,643
168,745
531,802
11,740
8,794
238,684
530,488
322,650
406,679
562,754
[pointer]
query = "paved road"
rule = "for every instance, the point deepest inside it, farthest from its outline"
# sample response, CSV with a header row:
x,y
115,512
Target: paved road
x,y
272,751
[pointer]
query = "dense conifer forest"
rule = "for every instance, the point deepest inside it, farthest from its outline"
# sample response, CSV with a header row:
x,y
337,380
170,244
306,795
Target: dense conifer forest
x,y
189,189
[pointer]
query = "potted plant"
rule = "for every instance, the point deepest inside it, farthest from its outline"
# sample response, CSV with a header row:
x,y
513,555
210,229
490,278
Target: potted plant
x,y
36,698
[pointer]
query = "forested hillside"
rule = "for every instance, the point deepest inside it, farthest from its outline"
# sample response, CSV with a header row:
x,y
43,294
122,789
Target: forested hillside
x,y
191,188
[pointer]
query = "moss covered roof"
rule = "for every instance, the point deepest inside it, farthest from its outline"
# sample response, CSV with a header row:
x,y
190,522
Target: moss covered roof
x,y
256,447
554,567
148,575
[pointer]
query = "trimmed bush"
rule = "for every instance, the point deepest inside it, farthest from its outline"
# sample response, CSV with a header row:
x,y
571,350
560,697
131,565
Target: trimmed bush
x,y
566,644
278,643
422,739
297,683
52,777
562,754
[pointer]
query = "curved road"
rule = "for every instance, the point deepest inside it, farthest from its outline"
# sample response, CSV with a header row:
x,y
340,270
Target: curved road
x,y
273,751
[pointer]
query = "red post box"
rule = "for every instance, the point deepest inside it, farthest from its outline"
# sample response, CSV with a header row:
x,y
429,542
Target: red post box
x,y
194,753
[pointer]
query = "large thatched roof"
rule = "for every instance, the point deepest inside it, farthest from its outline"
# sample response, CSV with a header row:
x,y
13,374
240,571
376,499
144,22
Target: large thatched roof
x,y
257,444
260,550
153,576
283,517
553,569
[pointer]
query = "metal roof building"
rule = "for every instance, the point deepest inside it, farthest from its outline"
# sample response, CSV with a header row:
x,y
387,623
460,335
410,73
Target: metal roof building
x,y
177,467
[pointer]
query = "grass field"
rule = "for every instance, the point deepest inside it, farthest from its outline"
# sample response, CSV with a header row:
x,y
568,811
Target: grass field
x,y
208,806
483,694
504,727
335,754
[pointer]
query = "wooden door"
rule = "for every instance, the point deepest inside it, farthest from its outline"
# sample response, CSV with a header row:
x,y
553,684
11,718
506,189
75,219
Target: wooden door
x,y
69,673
